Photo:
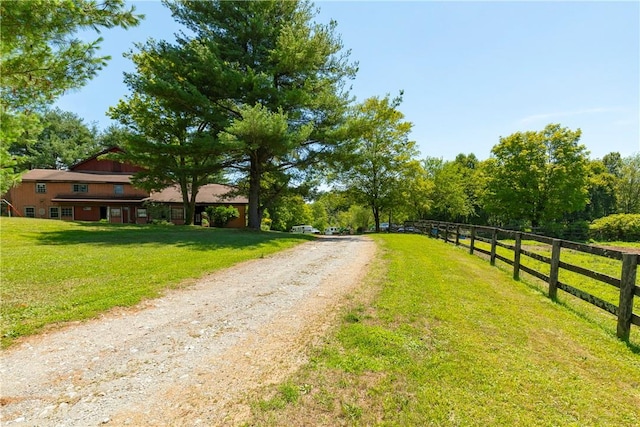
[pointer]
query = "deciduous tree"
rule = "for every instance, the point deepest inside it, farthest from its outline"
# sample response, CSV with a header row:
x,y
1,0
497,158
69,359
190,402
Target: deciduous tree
x,y
63,141
537,176
628,185
378,152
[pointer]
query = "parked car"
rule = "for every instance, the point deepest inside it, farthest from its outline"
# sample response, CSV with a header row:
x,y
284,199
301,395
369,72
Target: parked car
x,y
331,231
304,229
408,230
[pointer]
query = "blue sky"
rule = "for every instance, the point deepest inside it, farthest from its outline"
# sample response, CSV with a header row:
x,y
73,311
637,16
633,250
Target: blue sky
x,y
471,71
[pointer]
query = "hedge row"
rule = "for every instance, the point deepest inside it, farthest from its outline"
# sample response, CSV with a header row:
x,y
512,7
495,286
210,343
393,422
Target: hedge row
x,y
621,227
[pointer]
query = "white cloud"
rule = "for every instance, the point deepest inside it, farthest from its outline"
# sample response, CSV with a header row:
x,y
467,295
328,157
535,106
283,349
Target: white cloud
x,y
547,116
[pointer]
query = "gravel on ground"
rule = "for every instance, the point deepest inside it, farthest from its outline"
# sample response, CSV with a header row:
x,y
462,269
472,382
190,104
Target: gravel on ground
x,y
189,357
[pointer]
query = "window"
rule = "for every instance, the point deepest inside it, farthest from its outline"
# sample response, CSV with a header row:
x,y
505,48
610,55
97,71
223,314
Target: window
x,y
142,212
118,189
115,212
80,188
30,212
41,187
68,212
54,212
177,213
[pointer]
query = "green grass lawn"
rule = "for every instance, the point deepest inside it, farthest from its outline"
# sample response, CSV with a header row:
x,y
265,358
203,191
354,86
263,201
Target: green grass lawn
x,y
448,340
608,266
54,271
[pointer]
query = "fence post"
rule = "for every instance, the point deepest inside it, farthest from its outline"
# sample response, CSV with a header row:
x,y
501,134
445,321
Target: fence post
x,y
472,239
446,232
494,239
555,268
627,289
516,257
457,234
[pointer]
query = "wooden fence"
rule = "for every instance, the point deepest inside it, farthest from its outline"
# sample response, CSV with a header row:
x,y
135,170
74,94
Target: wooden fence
x,y
626,283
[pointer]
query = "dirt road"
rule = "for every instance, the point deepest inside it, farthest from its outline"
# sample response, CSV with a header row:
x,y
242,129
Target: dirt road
x,y
189,357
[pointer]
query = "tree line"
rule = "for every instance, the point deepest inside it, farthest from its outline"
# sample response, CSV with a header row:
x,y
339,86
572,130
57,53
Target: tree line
x,y
256,95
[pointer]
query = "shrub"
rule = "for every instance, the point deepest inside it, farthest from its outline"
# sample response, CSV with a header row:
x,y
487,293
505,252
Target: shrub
x,y
623,227
221,215
160,222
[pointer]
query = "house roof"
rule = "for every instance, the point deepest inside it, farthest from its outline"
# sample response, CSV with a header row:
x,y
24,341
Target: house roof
x,y
208,194
54,175
95,156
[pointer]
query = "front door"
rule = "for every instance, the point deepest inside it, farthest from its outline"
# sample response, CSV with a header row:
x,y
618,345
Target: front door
x,y
125,215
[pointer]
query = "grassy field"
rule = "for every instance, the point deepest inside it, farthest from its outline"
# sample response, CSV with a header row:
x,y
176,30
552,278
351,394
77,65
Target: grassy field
x,y
608,266
54,271
448,340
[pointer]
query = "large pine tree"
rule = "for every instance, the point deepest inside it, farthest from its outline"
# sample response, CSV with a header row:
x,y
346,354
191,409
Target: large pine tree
x,y
262,83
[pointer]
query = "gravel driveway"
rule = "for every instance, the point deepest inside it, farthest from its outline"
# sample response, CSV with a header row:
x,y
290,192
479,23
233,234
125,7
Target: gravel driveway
x,y
189,357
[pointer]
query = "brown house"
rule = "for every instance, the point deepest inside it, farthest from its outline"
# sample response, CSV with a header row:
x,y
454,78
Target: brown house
x,y
208,195
99,189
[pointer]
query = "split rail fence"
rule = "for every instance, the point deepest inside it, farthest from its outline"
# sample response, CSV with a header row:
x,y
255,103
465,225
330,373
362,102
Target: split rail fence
x,y
460,234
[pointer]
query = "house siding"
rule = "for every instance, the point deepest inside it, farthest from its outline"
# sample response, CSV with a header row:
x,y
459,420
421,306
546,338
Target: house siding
x,y
41,190
25,195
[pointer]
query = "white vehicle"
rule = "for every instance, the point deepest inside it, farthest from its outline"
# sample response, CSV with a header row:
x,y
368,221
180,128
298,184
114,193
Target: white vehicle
x,y
331,230
304,229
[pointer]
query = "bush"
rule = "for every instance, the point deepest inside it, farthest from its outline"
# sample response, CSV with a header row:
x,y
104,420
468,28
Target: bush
x,y
621,227
221,215
160,222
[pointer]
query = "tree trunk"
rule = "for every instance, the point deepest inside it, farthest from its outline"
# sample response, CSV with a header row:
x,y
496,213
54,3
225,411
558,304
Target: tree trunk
x,y
376,218
190,212
255,213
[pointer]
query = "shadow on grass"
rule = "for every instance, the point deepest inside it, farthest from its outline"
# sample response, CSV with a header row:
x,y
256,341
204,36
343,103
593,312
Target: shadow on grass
x,y
181,236
581,312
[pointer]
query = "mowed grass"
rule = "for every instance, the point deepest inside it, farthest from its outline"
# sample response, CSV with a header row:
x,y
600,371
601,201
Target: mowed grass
x,y
604,265
448,340
54,271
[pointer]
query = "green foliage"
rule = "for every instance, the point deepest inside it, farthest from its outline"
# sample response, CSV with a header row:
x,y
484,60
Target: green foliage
x,y
41,55
19,126
158,211
288,211
221,215
41,58
416,192
450,199
602,191
63,141
577,231
320,217
166,133
356,218
333,203
269,77
537,176
628,185
378,152
623,227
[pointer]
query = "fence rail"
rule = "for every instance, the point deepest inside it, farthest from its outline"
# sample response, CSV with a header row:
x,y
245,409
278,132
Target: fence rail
x,y
626,282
